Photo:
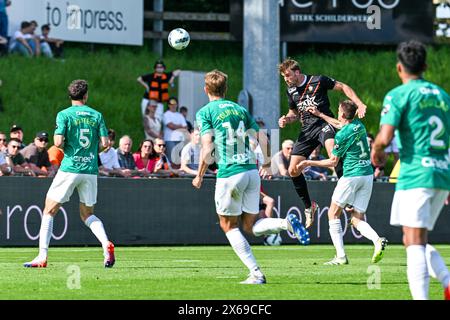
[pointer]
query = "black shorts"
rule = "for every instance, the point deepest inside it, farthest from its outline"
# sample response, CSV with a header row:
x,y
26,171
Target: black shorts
x,y
309,140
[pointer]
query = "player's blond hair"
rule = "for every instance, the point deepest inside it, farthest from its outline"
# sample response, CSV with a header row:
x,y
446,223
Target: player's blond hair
x,y
216,83
288,64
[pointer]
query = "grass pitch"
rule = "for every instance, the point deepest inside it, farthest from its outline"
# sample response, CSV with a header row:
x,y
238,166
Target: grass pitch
x,y
186,273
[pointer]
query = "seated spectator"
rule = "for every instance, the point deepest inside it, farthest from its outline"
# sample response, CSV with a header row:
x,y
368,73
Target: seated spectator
x,y
23,42
5,169
15,160
37,156
3,142
184,112
174,131
163,163
152,124
190,155
110,159
126,160
280,161
17,133
145,157
55,156
50,46
316,173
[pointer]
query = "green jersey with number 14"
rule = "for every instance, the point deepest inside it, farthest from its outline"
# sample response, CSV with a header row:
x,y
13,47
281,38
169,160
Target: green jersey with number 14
x,y
350,144
420,111
82,128
229,123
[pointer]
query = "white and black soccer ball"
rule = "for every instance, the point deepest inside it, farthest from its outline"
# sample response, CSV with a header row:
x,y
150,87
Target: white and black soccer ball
x,y
179,39
273,240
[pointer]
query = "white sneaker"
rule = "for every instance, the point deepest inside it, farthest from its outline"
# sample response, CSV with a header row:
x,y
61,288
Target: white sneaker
x,y
252,279
378,253
337,261
309,214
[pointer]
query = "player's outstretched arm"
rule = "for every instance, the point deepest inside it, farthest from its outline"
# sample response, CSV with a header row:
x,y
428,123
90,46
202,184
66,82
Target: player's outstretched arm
x,y
350,93
382,140
205,159
327,163
332,121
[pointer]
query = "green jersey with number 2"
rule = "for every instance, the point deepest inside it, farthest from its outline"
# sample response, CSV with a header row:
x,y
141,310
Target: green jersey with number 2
x,y
230,124
82,128
420,111
350,144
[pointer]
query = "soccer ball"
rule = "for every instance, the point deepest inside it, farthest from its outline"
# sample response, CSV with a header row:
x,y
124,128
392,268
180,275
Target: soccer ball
x,y
273,240
179,39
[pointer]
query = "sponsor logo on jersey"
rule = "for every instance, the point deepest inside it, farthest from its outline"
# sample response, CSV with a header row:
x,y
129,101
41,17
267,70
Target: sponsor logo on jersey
x,y
385,109
429,162
308,102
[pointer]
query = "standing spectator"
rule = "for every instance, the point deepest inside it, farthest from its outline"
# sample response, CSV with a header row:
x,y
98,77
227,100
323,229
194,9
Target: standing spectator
x,y
3,142
23,41
145,157
163,163
15,160
37,156
280,160
184,112
4,18
152,124
190,155
17,133
156,86
126,160
50,46
174,130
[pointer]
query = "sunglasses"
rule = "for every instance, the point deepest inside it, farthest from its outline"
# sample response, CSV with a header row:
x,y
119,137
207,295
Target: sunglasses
x,y
43,140
2,139
14,146
161,145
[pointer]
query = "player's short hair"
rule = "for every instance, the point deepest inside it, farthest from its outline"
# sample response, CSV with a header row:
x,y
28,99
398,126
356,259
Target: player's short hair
x,y
288,64
78,89
216,83
348,109
412,55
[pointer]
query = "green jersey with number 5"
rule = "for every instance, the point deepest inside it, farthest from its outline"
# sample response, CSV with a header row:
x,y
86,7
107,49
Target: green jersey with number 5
x,y
231,125
82,128
350,144
420,111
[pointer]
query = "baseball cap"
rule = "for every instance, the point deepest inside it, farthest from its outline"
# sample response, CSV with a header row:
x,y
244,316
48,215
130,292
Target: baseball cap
x,y
42,135
15,128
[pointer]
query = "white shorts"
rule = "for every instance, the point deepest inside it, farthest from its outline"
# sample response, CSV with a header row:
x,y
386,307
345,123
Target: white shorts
x,y
65,182
417,208
354,191
238,193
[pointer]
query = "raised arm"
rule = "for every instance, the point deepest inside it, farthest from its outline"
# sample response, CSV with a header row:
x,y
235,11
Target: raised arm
x,y
350,93
334,122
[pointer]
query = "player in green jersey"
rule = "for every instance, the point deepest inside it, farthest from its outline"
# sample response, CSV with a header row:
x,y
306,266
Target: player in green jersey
x,y
419,111
78,131
228,130
354,188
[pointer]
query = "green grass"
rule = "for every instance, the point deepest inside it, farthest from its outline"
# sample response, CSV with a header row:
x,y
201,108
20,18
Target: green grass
x,y
186,273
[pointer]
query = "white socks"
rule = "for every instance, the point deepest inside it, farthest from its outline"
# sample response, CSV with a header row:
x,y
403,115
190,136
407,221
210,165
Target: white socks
x,y
269,226
417,272
366,230
45,234
97,229
242,249
436,266
337,236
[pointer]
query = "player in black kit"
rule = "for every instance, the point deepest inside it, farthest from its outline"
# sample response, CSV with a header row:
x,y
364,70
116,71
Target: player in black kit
x,y
306,91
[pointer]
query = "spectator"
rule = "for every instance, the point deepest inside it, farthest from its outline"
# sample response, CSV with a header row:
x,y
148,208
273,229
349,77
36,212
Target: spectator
x,y
15,160
174,130
36,38
37,156
55,156
316,173
4,23
163,163
50,46
110,160
5,169
3,45
17,133
3,142
190,155
152,124
280,161
184,113
23,41
156,86
126,160
145,157
378,171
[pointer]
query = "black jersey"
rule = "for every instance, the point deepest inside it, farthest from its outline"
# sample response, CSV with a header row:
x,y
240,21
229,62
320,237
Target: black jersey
x,y
313,92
